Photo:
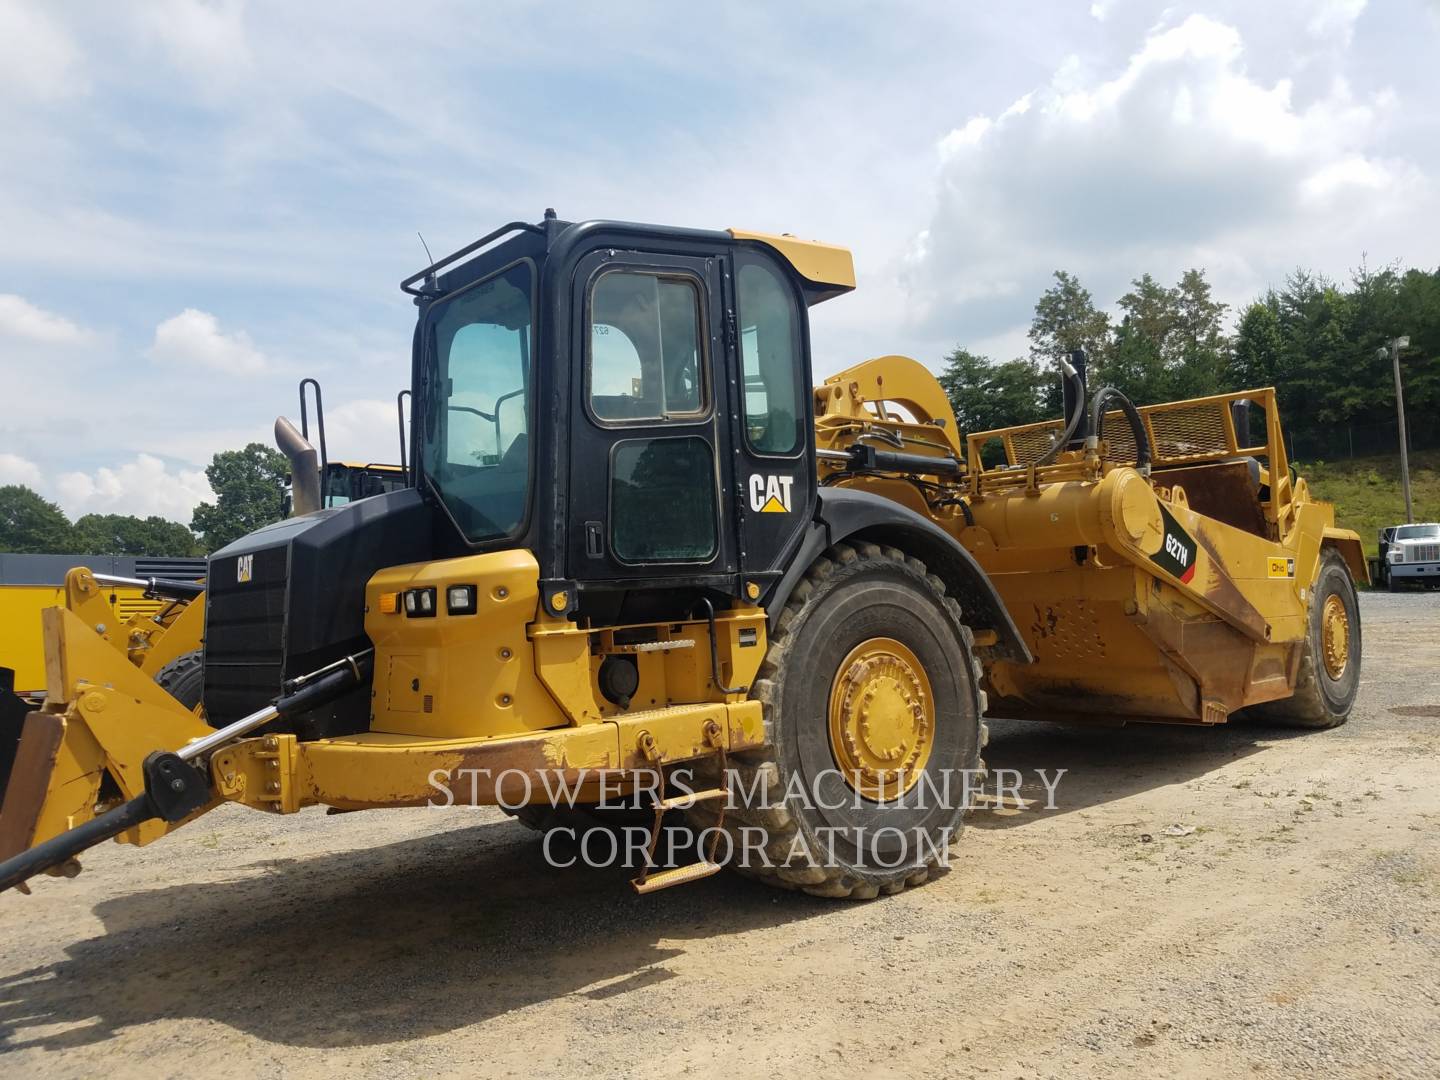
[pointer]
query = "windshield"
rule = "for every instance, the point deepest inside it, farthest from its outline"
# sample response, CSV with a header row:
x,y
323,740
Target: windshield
x,y
1418,532
477,422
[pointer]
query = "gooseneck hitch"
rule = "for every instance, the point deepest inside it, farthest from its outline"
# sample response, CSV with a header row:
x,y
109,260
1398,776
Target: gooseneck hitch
x,y
176,782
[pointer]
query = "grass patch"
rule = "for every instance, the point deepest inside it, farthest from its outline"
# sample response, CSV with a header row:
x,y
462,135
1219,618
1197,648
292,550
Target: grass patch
x,y
1366,491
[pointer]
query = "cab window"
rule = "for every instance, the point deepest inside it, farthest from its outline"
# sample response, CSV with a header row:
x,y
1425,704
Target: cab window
x,y
662,500
645,354
477,449
770,360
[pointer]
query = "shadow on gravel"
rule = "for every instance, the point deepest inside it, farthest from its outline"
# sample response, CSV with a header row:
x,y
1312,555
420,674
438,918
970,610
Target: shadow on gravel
x,y
422,937
1105,764
377,945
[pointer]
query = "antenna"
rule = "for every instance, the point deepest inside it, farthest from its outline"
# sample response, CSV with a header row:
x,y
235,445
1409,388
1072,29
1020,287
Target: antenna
x,y
430,262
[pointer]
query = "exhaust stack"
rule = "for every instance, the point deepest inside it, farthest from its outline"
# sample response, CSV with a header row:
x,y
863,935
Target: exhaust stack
x,y
304,467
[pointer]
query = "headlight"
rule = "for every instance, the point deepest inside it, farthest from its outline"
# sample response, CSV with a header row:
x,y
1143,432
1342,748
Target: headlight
x,y
420,603
460,600
1396,554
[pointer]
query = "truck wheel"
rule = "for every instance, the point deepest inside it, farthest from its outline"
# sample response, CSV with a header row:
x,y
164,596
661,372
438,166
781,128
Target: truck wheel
x,y
872,702
1330,664
184,678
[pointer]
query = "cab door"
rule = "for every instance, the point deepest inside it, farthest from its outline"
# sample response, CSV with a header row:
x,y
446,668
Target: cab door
x,y
647,443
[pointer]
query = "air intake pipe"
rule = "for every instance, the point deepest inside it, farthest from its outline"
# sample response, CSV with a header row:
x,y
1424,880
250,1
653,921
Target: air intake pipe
x,y
304,468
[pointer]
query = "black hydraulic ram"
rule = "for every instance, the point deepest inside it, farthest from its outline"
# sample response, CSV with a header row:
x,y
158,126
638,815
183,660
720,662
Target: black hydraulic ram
x,y
863,458
174,787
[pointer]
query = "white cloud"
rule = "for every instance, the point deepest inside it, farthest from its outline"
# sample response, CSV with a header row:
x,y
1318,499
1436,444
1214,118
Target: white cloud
x,y
1181,157
365,431
38,61
207,40
140,487
15,469
21,319
195,338
1335,18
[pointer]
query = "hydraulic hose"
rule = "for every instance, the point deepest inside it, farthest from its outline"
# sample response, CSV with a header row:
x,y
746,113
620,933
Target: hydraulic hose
x,y
1067,369
1143,456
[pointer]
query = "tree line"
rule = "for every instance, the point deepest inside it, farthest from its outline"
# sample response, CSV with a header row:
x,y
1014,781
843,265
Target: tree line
x,y
1316,341
249,487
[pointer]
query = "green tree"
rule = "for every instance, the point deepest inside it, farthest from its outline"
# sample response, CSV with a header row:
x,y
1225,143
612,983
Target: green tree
x,y
249,488
1255,354
1144,345
1417,314
1065,319
123,534
31,524
1196,358
1314,379
1170,342
1153,311
986,395
1137,365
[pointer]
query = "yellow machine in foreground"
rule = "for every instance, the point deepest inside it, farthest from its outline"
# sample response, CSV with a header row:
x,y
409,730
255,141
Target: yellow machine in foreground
x,y
639,552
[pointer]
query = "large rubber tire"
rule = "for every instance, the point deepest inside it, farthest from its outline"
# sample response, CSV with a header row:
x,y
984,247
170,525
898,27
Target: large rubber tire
x,y
1321,701
184,678
853,593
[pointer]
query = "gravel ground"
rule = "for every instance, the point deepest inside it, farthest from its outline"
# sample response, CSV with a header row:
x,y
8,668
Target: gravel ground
x,y
1295,930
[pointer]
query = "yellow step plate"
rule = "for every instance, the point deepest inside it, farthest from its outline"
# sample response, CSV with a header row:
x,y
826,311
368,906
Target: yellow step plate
x,y
680,875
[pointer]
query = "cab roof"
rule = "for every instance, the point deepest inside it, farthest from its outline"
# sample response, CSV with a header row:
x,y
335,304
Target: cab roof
x,y
828,269
824,270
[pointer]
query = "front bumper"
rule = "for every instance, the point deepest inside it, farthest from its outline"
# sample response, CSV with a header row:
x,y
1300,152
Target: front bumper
x,y
374,770
1416,571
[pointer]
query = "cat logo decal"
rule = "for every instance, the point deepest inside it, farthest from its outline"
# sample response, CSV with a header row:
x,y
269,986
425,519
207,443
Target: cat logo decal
x,y
770,494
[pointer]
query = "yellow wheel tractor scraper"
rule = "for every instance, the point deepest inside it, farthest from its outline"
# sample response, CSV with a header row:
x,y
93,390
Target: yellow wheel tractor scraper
x,y
633,542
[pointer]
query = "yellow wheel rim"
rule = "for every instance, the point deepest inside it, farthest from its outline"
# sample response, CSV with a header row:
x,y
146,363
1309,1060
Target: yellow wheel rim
x,y
882,719
1335,636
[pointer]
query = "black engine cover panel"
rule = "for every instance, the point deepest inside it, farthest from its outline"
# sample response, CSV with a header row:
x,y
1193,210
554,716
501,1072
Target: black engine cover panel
x,y
290,598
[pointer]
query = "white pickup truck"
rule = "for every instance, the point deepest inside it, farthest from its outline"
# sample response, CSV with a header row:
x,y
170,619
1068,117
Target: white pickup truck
x,y
1410,553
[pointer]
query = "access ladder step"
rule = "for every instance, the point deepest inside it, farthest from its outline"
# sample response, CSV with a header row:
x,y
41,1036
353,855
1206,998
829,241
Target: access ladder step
x,y
679,875
684,802
656,646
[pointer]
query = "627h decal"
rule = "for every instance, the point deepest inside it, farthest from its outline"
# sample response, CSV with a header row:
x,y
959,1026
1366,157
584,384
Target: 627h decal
x,y
1177,549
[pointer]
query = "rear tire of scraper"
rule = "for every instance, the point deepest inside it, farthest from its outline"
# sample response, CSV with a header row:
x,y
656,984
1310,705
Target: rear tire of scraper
x,y
1330,663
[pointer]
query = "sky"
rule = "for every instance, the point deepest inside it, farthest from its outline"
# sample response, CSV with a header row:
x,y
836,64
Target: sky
x,y
202,203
